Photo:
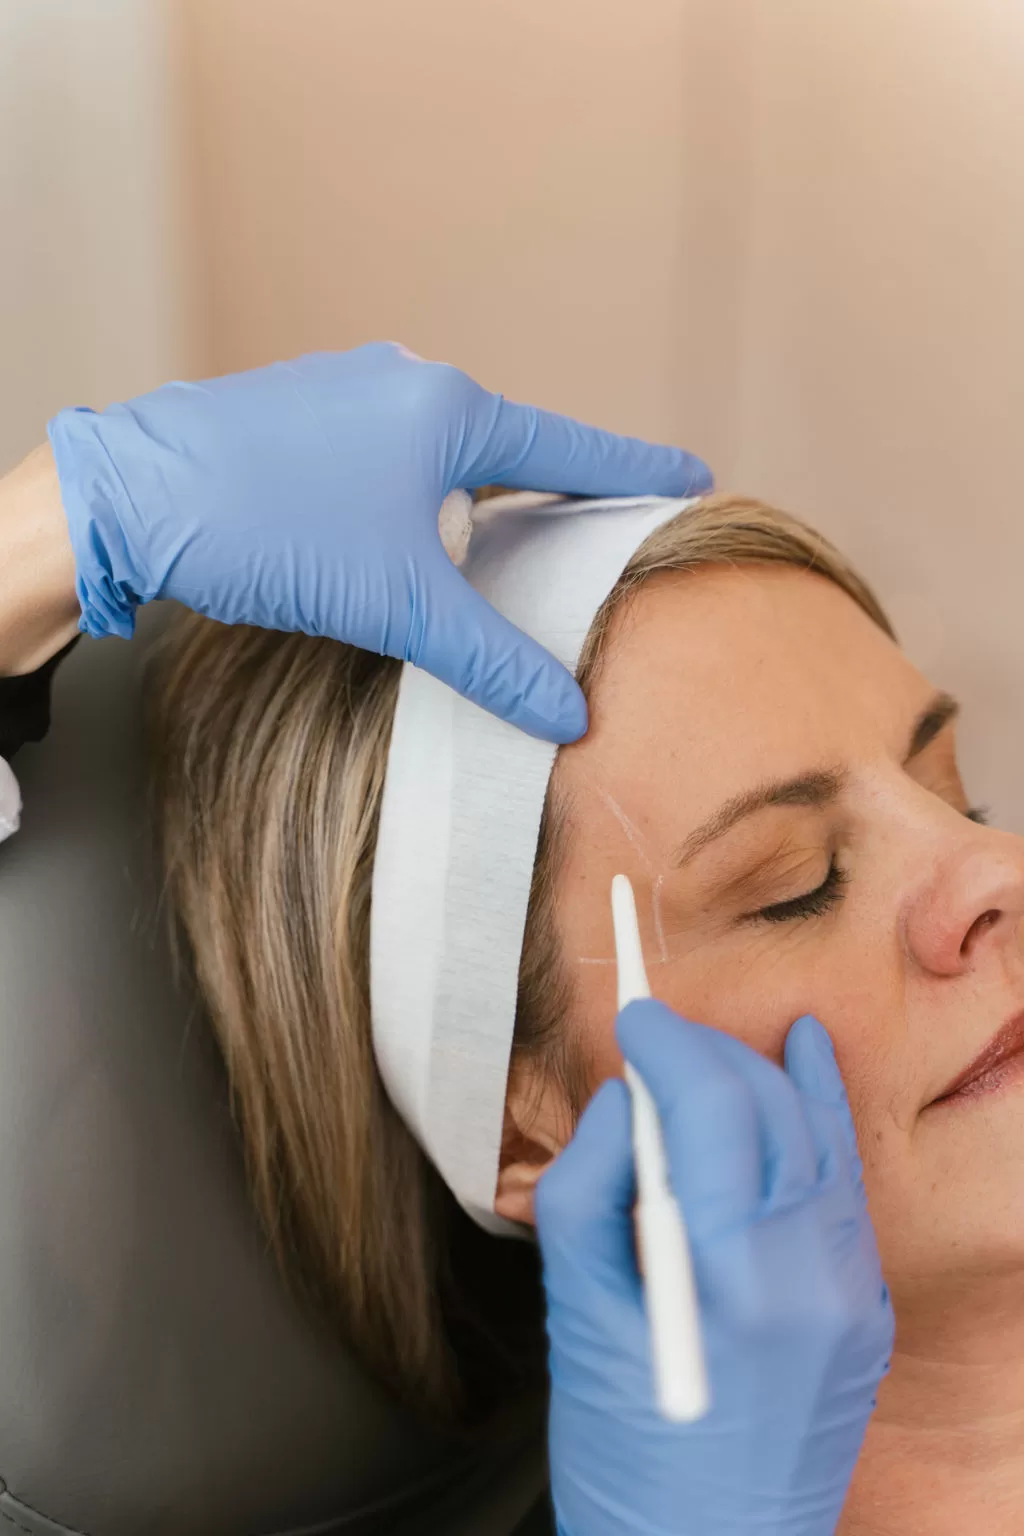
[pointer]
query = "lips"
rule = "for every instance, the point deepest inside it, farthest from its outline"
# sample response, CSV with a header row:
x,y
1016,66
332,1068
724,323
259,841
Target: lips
x,y
991,1067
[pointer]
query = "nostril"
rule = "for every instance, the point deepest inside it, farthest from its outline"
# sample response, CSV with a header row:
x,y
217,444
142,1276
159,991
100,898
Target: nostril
x,y
986,920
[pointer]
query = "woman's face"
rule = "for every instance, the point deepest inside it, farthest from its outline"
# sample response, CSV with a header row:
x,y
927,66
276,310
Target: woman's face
x,y
781,786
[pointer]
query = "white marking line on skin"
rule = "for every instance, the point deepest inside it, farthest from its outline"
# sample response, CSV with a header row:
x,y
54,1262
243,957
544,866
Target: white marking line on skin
x,y
659,928
631,830
640,843
610,960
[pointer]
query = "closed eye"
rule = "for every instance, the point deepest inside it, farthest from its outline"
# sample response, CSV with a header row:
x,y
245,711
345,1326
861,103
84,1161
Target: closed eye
x,y
830,892
811,904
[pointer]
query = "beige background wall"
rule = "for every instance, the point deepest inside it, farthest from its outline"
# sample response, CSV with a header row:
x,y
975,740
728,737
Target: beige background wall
x,y
93,248
789,235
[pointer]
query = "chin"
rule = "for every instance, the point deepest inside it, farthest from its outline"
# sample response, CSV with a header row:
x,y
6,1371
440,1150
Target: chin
x,y
954,1229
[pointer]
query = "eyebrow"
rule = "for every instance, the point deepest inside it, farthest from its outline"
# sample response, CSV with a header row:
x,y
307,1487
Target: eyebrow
x,y
942,709
817,788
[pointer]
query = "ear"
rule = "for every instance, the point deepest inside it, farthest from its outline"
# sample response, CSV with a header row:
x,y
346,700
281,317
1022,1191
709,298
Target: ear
x,y
537,1127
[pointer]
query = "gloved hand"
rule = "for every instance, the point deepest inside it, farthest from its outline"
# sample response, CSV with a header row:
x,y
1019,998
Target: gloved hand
x,y
305,496
796,1319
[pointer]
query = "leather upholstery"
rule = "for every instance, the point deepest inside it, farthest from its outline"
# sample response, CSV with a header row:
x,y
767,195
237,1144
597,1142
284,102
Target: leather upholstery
x,y
154,1376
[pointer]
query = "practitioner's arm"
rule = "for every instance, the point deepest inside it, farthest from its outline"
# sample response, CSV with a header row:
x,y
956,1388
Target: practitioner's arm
x,y
39,611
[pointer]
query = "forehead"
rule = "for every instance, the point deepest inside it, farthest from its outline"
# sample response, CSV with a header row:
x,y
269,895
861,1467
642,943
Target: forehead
x,y
715,680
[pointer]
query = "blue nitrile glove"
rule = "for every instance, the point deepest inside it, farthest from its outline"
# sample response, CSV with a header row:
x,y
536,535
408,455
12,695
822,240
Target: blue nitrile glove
x,y
796,1319
305,496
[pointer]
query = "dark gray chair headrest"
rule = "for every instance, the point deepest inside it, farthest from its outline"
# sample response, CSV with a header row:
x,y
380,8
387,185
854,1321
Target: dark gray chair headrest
x,y
154,1376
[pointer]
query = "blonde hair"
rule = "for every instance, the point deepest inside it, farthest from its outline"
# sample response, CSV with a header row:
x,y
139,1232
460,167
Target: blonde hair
x,y
268,755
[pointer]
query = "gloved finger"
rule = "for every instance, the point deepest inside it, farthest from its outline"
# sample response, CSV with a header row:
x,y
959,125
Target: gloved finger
x,y
790,1151
467,644
811,1063
538,450
710,1116
835,1166
584,1203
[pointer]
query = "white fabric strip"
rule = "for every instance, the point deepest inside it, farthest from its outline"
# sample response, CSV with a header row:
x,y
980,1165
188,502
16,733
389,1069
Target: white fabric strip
x,y
10,801
460,815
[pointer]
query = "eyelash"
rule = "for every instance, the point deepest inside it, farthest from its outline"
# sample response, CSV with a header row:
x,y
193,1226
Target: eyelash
x,y
830,892
812,904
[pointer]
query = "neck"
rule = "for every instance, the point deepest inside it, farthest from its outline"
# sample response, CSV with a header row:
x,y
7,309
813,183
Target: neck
x,y
944,1452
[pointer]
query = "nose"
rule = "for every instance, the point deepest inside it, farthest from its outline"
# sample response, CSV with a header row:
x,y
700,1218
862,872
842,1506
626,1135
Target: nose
x,y
972,906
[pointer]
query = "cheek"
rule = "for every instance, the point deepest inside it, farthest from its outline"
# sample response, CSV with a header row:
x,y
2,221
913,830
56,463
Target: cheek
x,y
862,1003
757,1000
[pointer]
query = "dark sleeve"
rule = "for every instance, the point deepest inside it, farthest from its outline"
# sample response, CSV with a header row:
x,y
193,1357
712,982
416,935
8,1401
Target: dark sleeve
x,y
540,1521
25,705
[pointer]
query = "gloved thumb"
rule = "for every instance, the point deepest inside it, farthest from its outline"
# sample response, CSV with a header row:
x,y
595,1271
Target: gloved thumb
x,y
811,1063
467,644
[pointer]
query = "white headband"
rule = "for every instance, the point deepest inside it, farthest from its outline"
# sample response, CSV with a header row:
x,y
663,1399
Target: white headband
x,y
457,840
